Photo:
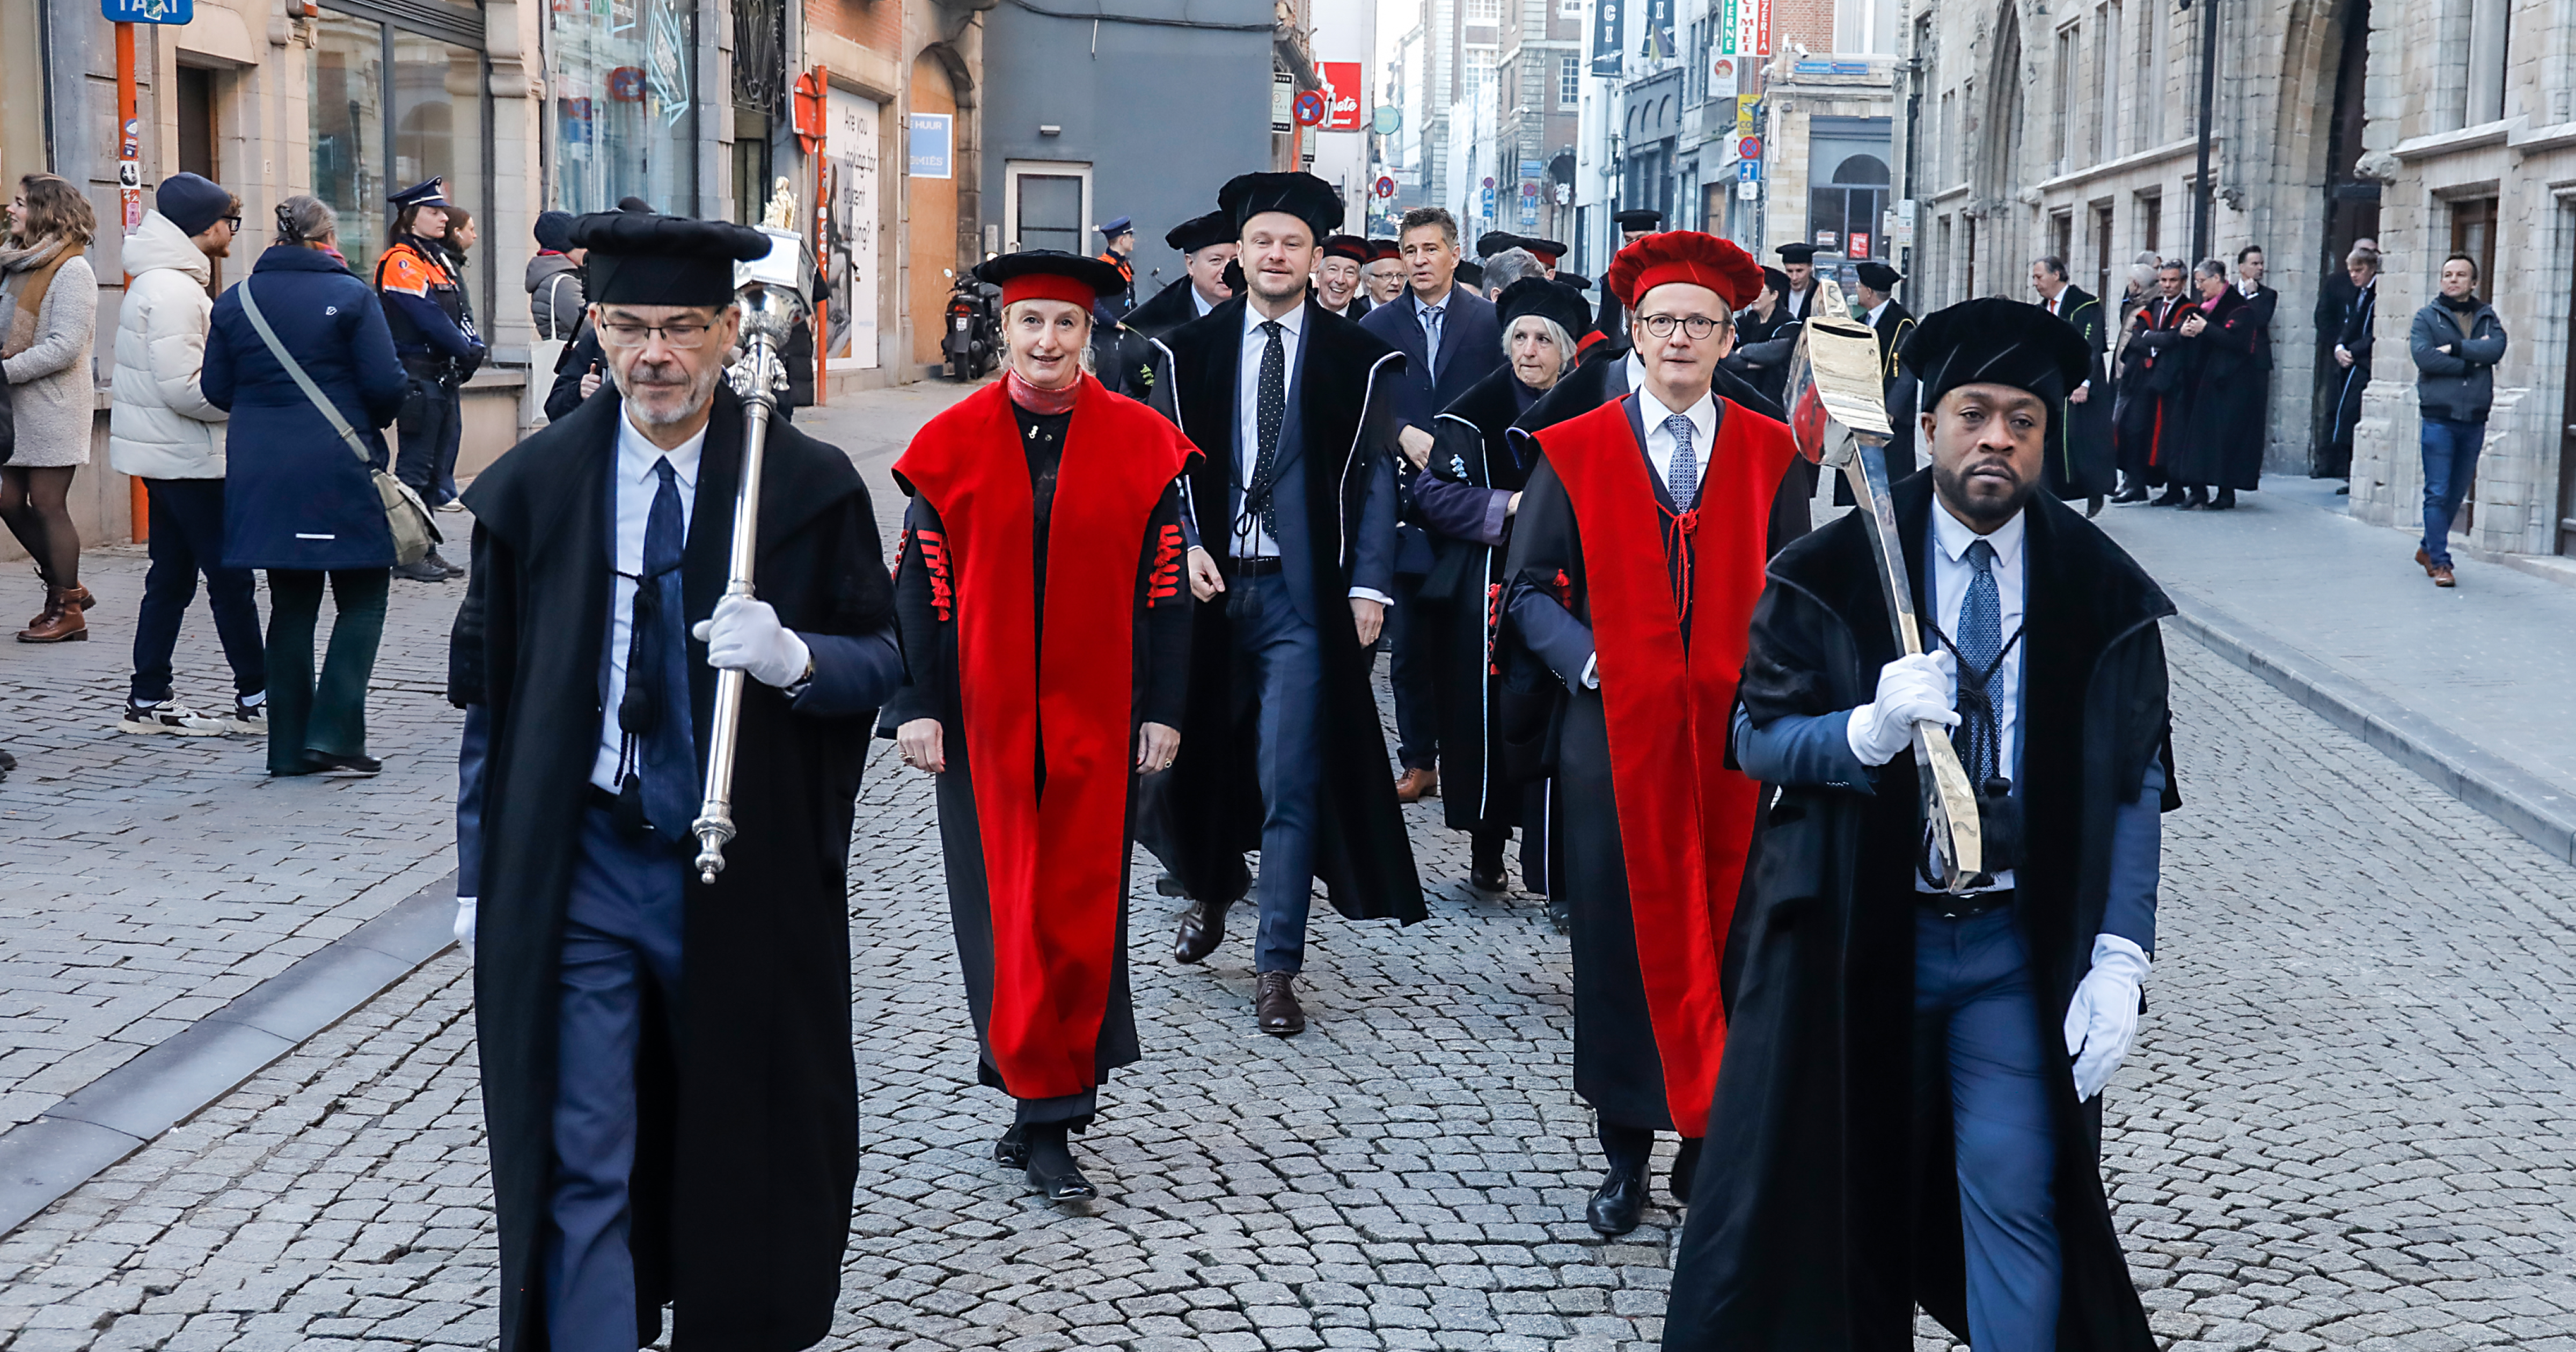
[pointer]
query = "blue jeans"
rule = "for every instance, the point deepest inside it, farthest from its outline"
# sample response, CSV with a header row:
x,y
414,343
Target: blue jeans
x,y
1279,660
2450,466
621,938
1974,974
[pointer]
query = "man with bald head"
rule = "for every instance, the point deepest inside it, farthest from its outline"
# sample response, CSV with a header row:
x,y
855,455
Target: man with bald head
x,y
1635,559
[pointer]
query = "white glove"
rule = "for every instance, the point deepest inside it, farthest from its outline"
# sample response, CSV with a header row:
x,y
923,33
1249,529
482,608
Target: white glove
x,y
745,636
1911,690
465,925
2102,1019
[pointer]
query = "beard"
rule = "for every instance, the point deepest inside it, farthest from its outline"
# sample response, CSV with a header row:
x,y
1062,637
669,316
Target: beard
x,y
702,389
1983,513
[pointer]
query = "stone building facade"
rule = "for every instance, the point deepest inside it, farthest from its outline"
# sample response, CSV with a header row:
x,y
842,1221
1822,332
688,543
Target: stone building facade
x,y
2073,129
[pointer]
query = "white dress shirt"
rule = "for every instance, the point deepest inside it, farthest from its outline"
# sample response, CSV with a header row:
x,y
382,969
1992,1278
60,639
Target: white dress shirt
x,y
1200,301
1431,344
1948,593
2055,305
636,485
1250,540
1879,309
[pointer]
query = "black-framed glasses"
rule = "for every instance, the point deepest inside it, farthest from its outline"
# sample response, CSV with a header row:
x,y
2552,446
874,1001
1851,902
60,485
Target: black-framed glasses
x,y
234,220
1697,326
683,336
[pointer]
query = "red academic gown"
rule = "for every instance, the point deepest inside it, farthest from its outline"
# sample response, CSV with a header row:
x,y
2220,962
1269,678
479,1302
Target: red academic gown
x,y
1654,826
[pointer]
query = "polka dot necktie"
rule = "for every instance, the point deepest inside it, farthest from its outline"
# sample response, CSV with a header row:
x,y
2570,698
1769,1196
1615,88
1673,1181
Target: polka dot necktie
x,y
1682,479
1270,409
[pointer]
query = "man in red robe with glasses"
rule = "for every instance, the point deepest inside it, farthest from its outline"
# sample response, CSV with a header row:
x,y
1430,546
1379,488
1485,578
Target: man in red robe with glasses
x,y
1046,633
1635,562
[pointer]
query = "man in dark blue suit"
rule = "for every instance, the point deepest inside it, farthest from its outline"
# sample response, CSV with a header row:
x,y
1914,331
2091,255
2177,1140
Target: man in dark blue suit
x,y
1296,504
1450,339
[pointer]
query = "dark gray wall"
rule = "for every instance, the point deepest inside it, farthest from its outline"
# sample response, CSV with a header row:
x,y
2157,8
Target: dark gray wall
x,y
1164,116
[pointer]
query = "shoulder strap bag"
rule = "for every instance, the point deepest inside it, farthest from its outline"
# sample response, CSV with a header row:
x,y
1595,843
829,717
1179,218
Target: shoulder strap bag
x,y
415,533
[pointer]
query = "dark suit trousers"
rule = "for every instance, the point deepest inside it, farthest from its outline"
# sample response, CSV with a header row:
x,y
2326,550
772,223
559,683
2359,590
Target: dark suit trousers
x,y
1279,662
1411,653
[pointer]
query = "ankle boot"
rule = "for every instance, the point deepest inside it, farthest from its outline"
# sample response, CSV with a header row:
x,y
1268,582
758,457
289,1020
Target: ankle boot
x,y
61,622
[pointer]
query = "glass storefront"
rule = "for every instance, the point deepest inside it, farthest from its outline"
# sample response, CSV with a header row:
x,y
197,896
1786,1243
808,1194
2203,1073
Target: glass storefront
x,y
624,120
392,105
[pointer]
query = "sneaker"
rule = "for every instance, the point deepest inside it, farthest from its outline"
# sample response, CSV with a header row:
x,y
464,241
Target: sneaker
x,y
248,720
423,570
452,505
452,570
171,717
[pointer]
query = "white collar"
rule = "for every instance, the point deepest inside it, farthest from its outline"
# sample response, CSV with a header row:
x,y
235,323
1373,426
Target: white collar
x,y
1879,309
1652,410
1294,321
636,454
1200,301
1954,536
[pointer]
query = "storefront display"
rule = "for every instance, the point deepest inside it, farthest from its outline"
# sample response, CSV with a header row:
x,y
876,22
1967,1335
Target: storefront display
x,y
624,113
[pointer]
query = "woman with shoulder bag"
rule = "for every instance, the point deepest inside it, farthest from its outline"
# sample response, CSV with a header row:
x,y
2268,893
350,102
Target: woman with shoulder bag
x,y
48,319
298,499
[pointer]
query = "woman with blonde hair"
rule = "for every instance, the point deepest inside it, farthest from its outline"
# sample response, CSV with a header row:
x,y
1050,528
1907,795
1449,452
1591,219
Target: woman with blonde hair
x,y
49,303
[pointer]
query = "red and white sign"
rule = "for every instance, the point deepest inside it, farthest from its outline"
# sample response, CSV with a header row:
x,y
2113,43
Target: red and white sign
x,y
1345,88
1385,186
1859,244
1762,34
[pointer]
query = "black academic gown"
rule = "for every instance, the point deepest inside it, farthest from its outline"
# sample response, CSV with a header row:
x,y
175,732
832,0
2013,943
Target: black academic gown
x,y
1550,731
2222,441
1161,640
1826,1204
1166,310
1209,804
749,1153
2081,465
1128,363
1473,446
1892,326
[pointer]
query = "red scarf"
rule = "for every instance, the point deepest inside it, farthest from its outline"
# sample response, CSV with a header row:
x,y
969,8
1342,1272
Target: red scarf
x,y
1037,399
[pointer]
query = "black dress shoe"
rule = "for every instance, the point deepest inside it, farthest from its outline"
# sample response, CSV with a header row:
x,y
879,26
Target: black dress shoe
x,y
1202,929
1050,1164
329,763
1560,916
1012,1151
2171,497
2092,506
1485,878
2132,493
1617,1203
1274,1004
1167,885
2224,502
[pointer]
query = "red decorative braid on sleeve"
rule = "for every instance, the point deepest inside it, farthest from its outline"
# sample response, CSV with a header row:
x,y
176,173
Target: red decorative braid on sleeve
x,y
1493,625
934,552
1564,591
1163,582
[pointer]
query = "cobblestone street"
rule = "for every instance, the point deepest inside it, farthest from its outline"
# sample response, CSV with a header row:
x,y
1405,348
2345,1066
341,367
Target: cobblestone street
x,y
2350,1121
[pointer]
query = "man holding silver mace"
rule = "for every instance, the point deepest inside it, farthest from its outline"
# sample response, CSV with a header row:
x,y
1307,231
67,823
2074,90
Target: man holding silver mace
x,y
665,1035
1927,991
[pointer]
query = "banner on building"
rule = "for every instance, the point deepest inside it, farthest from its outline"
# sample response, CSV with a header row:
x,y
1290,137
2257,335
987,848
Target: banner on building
x,y
1345,95
1746,108
1657,42
929,142
1762,27
1606,15
848,222
1721,78
1744,22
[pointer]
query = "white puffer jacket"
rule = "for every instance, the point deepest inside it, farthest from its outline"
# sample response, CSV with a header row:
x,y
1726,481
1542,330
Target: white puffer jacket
x,y
159,425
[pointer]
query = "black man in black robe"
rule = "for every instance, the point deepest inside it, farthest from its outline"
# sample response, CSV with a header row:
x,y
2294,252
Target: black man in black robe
x,y
1909,1110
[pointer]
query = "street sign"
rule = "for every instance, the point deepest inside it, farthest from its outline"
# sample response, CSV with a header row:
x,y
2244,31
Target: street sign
x,y
1385,185
1283,96
1748,190
1341,95
1746,171
1744,106
1311,109
1388,120
1749,148
148,11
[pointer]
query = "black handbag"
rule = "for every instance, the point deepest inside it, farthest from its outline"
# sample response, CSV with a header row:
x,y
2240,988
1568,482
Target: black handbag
x,y
8,422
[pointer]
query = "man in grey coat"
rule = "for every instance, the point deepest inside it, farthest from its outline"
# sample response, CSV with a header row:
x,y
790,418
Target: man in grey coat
x,y
2456,341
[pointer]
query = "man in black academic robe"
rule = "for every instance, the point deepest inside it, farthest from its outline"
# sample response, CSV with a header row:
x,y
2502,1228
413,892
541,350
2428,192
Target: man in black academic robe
x,y
1908,1110
1206,244
2080,465
2154,391
1798,261
670,1098
1295,505
2262,305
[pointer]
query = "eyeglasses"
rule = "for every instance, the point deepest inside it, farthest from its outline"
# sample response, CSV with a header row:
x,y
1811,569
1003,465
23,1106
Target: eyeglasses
x,y
234,221
685,337
1697,326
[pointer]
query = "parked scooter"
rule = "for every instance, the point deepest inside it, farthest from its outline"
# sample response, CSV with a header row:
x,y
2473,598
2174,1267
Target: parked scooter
x,y
973,341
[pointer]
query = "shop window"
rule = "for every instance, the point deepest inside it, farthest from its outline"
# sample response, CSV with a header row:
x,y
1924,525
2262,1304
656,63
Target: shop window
x,y
391,105
624,121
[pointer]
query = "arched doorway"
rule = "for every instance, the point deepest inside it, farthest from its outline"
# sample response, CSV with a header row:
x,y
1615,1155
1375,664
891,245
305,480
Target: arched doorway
x,y
2351,210
930,227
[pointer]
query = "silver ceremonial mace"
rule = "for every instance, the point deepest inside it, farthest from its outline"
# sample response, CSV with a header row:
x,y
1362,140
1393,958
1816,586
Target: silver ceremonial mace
x,y
768,292
1838,415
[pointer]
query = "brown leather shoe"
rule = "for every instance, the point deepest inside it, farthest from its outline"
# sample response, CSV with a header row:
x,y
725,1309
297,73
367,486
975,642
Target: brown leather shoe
x,y
2423,560
1274,1003
79,596
1415,785
2441,578
1202,929
61,623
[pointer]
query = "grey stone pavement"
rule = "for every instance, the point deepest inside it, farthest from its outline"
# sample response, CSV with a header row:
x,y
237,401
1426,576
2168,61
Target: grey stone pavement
x,y
2347,1122
2487,661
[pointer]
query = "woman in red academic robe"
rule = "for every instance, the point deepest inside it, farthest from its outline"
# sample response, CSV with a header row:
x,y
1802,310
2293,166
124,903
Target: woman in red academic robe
x,y
1047,677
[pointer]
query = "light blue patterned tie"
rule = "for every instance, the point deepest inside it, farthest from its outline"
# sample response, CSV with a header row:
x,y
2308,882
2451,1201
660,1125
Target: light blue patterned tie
x,y
1432,315
1980,642
1682,480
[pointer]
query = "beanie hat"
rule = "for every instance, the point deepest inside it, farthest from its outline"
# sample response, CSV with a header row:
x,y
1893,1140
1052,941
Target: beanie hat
x,y
192,202
554,231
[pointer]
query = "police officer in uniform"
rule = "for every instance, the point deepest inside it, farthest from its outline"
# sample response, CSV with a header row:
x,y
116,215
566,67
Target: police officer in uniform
x,y
435,337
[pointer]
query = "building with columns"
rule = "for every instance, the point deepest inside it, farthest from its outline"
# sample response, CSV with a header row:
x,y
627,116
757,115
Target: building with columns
x,y
2026,129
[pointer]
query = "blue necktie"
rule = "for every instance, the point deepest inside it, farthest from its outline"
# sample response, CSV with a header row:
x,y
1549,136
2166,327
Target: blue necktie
x,y
659,759
1980,643
1682,479
1431,317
